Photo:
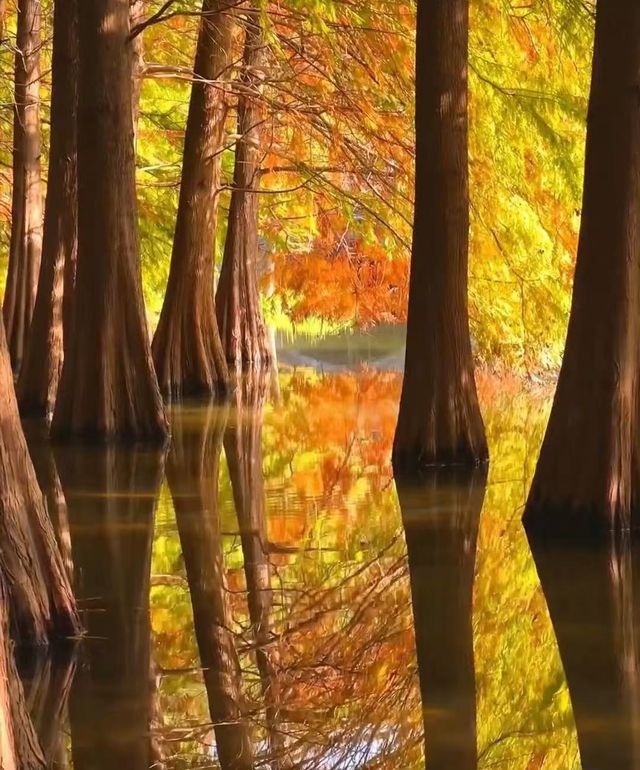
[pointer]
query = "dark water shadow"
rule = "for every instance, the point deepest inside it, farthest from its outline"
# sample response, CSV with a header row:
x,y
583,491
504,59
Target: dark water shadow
x,y
441,518
193,469
593,596
111,497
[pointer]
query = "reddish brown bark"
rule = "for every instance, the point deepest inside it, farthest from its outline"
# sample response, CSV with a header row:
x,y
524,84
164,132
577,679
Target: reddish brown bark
x,y
26,206
439,421
108,389
588,475
187,351
193,469
136,15
441,518
40,596
244,335
40,373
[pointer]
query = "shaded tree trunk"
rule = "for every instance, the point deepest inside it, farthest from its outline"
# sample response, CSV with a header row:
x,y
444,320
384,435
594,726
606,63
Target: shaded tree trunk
x,y
111,497
244,335
187,351
243,450
40,373
439,421
40,595
588,474
108,389
441,519
193,469
26,205
19,747
592,595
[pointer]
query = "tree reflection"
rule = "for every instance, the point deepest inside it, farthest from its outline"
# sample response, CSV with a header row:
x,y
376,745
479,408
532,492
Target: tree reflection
x,y
441,518
192,472
243,450
592,595
111,497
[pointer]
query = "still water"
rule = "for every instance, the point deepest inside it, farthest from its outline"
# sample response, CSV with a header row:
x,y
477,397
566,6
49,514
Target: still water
x,y
264,596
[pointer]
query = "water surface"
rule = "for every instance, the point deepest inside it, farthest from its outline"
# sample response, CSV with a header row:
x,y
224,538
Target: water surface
x,y
264,596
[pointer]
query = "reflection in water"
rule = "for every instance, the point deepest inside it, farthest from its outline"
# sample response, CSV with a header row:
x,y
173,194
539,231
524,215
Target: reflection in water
x,y
193,468
47,678
243,449
279,605
592,594
441,518
111,496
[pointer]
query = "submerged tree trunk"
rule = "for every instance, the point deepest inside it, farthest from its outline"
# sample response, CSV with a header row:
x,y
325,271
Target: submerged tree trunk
x,y
111,496
592,596
192,472
243,450
588,474
187,351
40,596
108,389
26,206
441,518
40,373
439,421
244,335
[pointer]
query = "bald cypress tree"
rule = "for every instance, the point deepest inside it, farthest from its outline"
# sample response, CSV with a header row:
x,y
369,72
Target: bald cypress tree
x,y
439,421
588,475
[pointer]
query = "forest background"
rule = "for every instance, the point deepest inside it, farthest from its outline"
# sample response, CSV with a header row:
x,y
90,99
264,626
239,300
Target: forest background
x,y
337,167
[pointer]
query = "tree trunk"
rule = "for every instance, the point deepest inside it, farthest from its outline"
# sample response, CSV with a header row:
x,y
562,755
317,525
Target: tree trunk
x,y
192,472
588,474
243,450
108,389
244,335
136,15
26,205
187,351
40,596
439,421
111,495
40,373
441,519
592,596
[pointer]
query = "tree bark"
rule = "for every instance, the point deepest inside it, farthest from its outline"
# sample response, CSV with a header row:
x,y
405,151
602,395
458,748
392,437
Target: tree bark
x,y
244,335
136,15
192,472
588,475
111,497
40,595
26,205
243,450
592,596
439,421
187,351
108,389
441,519
40,373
